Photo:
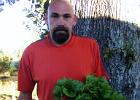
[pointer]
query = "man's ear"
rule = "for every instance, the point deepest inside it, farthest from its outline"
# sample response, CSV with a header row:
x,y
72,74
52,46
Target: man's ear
x,y
46,18
74,20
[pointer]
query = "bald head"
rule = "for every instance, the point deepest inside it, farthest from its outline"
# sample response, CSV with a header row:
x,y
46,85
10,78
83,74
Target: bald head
x,y
64,3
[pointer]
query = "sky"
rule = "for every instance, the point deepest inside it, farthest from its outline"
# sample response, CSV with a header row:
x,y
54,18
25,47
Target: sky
x,y
130,10
14,36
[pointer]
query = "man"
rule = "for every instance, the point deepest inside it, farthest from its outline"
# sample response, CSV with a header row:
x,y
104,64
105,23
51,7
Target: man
x,y
61,54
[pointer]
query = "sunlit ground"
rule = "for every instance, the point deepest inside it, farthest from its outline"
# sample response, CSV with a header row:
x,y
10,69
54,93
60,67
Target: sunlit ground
x,y
14,38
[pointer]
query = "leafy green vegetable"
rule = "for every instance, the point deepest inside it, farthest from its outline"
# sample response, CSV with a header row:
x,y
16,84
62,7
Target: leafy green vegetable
x,y
92,89
84,96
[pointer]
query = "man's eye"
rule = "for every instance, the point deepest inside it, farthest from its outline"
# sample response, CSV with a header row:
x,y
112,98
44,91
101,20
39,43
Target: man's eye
x,y
54,15
67,16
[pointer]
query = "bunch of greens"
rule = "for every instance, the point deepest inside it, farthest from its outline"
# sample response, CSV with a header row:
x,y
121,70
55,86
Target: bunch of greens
x,y
92,89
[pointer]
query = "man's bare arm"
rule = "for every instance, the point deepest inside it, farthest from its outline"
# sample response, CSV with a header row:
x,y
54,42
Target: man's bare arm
x,y
25,96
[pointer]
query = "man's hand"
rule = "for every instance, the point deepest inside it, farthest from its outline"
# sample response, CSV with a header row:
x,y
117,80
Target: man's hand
x,y
25,96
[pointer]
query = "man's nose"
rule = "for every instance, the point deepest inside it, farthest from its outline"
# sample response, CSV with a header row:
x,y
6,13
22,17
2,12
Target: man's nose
x,y
61,20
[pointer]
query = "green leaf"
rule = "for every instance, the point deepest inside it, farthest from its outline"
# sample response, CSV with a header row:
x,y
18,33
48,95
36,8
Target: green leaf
x,y
84,96
69,93
30,15
57,91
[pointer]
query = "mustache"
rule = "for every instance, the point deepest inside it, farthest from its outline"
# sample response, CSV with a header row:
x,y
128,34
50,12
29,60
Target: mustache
x,y
60,28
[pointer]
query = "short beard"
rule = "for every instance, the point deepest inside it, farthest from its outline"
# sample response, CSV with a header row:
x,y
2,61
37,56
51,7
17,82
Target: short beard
x,y
60,35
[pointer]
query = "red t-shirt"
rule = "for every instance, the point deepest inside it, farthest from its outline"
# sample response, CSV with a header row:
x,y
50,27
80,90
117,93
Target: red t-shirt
x,y
43,63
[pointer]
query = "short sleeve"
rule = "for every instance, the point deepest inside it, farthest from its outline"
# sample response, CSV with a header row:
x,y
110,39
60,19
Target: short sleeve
x,y
100,70
25,78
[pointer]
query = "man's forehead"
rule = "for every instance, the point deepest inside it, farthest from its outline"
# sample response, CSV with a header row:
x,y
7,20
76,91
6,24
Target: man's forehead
x,y
60,12
62,5
60,2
